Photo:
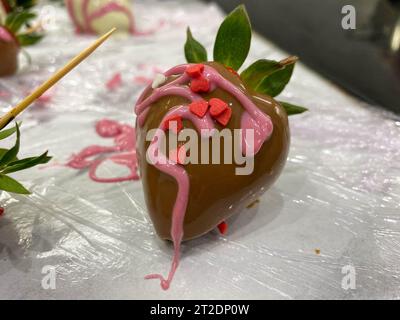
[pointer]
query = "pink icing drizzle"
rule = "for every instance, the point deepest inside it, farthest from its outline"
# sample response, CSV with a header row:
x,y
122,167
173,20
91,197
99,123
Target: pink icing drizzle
x,y
70,8
124,150
88,18
110,7
252,118
169,167
5,35
114,82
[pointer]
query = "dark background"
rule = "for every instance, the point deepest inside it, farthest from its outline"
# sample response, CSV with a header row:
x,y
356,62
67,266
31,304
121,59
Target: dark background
x,y
365,61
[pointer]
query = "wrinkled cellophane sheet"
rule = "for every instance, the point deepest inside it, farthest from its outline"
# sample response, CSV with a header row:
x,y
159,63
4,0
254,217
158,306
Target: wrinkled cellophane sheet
x,y
339,192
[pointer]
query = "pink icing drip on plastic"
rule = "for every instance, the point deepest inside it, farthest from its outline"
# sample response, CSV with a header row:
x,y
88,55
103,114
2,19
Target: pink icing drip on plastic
x,y
114,82
124,143
252,118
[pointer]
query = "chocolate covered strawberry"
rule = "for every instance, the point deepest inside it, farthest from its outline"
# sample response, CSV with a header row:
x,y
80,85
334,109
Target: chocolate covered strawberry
x,y
16,31
99,16
188,192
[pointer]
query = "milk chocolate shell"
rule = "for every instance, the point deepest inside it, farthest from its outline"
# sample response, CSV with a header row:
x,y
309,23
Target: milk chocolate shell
x,y
215,191
8,58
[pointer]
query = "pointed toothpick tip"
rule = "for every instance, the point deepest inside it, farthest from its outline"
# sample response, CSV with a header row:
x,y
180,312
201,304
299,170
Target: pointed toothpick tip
x,y
109,33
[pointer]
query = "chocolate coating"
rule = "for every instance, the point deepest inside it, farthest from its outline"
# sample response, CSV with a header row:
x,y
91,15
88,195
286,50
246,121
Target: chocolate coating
x,y
216,192
8,58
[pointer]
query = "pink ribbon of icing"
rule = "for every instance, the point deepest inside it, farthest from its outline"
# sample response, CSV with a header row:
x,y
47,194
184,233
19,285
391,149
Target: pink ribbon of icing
x,y
169,167
5,35
124,143
102,11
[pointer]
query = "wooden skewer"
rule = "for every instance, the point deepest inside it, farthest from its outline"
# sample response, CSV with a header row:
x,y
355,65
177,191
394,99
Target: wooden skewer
x,y
9,116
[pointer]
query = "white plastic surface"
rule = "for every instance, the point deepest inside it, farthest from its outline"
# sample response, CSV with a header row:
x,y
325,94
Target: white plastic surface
x,y
339,192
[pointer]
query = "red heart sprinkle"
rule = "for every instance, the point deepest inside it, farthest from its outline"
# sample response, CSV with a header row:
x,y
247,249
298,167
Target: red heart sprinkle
x,y
217,106
199,85
199,108
178,155
168,124
1,211
195,70
224,117
223,227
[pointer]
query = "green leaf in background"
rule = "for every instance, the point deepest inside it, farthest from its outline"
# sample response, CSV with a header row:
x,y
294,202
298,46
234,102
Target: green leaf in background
x,y
258,71
233,40
26,4
12,153
29,39
11,185
20,4
6,133
15,20
26,163
9,163
194,50
292,109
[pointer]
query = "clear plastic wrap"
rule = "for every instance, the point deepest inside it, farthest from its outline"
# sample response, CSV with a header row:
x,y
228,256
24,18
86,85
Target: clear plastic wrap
x,y
336,203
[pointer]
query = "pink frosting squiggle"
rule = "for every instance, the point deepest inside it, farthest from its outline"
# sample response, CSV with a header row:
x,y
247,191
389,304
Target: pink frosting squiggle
x,y
252,118
71,11
113,7
124,151
161,162
163,92
89,17
5,35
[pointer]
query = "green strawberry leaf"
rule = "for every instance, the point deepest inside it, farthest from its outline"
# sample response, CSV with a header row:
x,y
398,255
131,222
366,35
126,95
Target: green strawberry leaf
x,y
258,71
11,185
26,4
14,5
29,39
26,163
6,133
268,76
15,20
275,83
11,154
233,40
3,151
292,109
194,50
